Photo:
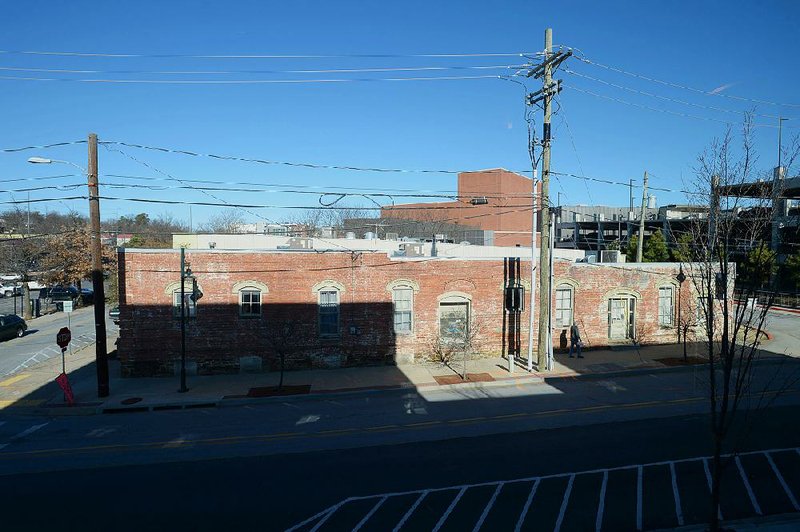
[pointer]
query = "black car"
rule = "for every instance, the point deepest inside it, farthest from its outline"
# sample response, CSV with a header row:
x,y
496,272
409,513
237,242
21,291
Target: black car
x,y
60,293
12,326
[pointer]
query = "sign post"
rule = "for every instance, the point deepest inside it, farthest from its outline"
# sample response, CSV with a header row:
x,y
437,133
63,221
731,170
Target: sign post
x,y
63,338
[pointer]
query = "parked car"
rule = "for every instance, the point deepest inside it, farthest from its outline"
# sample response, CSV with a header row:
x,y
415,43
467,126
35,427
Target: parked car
x,y
60,293
35,285
113,313
12,326
87,296
10,290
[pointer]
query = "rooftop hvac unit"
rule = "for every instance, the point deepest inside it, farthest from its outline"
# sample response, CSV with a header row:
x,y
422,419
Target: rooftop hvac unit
x,y
301,243
412,250
350,235
611,255
391,236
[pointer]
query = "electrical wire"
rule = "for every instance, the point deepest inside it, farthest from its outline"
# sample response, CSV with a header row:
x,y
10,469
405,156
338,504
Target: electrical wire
x,y
265,56
665,98
227,72
656,109
42,147
580,57
241,81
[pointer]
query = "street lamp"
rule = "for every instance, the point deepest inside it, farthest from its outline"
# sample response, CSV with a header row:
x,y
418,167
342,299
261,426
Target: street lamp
x,y
681,277
101,348
186,273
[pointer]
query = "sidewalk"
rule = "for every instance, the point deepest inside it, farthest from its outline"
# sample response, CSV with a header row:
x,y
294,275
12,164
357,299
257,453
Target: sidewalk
x,y
36,391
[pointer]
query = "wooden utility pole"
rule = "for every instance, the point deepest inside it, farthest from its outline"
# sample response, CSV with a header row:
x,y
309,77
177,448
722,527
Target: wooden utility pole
x,y
101,348
544,254
641,220
549,89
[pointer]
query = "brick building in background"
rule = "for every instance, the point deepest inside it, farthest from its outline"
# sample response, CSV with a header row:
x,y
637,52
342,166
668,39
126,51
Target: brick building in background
x,y
507,213
345,308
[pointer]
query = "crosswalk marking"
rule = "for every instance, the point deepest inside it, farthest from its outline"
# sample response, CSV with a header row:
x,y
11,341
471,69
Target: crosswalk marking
x,y
527,506
750,493
782,481
28,431
564,503
449,515
411,510
675,494
447,512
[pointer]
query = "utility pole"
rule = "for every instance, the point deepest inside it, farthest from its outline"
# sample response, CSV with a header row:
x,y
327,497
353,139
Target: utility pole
x,y
630,188
641,221
532,306
101,349
545,95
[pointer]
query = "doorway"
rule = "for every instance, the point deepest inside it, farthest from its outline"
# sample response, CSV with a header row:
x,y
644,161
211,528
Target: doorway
x,y
621,318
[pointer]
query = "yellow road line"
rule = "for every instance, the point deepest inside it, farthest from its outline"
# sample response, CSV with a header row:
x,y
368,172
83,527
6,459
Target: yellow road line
x,y
11,403
16,378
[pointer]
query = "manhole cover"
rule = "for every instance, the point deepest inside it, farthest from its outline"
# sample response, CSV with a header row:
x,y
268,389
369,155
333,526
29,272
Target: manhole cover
x,y
131,400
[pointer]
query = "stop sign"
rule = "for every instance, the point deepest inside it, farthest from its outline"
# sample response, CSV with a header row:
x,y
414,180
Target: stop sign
x,y
63,337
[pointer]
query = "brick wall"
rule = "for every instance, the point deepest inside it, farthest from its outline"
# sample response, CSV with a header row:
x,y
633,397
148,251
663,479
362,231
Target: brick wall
x,y
218,338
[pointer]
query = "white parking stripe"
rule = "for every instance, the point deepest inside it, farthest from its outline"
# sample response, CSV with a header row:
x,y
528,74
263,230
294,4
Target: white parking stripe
x,y
411,511
708,479
564,503
639,498
28,431
675,494
601,506
783,482
527,505
449,509
370,513
488,507
750,493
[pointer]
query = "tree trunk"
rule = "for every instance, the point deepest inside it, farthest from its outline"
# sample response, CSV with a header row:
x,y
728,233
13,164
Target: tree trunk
x,y
716,482
27,313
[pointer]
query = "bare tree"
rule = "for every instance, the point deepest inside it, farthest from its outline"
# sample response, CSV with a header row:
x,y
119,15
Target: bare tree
x,y
731,328
227,221
457,342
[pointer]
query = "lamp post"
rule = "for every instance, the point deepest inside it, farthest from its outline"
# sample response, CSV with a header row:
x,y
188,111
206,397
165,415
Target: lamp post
x,y
186,273
101,349
681,277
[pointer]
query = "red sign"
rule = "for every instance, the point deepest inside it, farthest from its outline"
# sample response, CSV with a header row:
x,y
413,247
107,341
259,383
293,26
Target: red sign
x,y
64,383
63,337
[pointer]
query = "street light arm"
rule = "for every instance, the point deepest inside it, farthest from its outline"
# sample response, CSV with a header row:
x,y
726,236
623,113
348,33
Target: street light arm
x,y
43,160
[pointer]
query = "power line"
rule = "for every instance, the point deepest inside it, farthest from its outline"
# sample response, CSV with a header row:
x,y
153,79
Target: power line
x,y
684,87
42,147
227,72
241,81
656,109
265,56
660,97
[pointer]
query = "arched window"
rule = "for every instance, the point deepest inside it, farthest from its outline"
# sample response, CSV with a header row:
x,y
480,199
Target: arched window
x,y
564,305
250,294
328,293
403,304
666,305
174,291
454,317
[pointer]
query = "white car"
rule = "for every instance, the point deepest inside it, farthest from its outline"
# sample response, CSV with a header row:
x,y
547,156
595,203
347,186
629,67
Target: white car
x,y
36,285
10,290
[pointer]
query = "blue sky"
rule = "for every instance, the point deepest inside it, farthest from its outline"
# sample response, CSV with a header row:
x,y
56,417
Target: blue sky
x,y
750,48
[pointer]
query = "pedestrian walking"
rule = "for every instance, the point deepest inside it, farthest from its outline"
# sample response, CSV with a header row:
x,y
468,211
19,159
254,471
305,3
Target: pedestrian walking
x,y
574,340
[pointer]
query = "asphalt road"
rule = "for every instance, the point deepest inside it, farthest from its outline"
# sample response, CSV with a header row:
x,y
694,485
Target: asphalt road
x,y
39,343
275,492
273,464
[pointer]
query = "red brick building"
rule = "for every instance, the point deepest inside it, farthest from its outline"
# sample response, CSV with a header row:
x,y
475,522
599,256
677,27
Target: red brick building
x,y
330,309
507,213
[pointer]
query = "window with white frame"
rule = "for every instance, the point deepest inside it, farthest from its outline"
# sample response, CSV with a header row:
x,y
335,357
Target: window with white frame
x,y
329,312
403,302
190,308
666,305
563,314
454,319
249,302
